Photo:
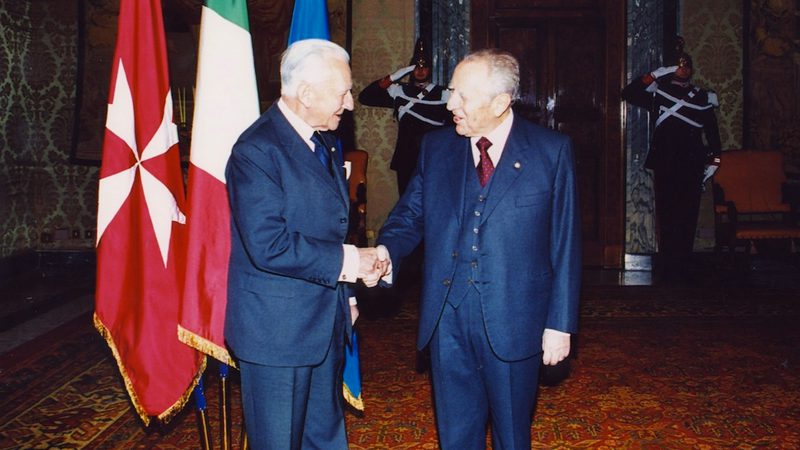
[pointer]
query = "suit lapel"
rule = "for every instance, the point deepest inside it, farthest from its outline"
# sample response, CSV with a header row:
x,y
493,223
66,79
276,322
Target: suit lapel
x,y
300,151
337,159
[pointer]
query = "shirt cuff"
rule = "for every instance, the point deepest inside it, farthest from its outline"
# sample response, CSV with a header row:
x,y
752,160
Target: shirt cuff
x,y
349,272
353,301
555,332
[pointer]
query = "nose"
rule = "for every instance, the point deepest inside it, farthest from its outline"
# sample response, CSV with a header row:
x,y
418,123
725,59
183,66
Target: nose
x,y
348,101
453,102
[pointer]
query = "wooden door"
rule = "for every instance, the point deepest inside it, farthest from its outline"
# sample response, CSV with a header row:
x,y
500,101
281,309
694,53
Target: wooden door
x,y
571,55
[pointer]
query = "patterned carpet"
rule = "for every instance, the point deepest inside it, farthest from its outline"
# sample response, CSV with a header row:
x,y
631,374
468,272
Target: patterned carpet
x,y
655,368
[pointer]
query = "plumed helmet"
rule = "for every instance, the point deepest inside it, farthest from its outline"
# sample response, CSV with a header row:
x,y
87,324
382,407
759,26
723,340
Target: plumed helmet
x,y
682,59
420,57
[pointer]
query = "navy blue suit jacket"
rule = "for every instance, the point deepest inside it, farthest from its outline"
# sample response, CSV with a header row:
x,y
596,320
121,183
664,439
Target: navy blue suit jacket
x,y
289,220
530,235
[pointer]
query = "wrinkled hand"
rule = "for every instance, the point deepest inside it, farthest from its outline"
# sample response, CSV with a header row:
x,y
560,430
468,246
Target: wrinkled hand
x,y
555,345
370,266
384,258
400,73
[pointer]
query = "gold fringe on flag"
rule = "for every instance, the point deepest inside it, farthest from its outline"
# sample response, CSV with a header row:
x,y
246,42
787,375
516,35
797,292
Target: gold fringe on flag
x,y
204,345
165,416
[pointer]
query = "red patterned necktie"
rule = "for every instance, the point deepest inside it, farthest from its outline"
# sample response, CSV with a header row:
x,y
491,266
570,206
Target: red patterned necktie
x,y
485,166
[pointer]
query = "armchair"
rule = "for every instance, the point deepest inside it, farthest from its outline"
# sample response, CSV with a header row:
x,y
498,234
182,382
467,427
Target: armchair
x,y
749,200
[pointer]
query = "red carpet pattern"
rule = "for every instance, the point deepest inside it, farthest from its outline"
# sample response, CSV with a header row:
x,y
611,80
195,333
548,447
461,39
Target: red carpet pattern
x,y
653,370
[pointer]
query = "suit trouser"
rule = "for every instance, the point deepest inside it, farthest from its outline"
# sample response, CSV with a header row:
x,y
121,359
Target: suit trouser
x,y
293,408
472,386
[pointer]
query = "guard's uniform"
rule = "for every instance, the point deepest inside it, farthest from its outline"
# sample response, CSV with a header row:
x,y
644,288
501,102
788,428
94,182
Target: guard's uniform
x,y
417,111
681,113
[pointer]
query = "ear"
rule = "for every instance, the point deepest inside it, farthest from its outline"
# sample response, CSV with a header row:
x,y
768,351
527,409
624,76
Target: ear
x,y
305,94
500,103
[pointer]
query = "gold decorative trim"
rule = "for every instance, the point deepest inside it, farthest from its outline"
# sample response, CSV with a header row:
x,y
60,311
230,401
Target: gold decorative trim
x,y
165,416
352,400
204,345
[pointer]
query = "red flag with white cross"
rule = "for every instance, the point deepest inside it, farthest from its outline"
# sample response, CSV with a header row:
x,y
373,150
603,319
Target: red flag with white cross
x,y
140,223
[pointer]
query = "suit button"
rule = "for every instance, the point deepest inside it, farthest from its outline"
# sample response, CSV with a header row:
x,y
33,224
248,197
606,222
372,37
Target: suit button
x,y
342,220
475,230
474,264
477,213
446,282
455,255
474,248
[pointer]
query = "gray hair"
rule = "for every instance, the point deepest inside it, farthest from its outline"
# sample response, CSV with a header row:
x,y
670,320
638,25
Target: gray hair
x,y
306,60
503,70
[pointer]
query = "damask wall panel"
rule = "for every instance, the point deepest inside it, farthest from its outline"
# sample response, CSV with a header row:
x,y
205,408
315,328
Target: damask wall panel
x,y
383,39
773,82
44,200
713,34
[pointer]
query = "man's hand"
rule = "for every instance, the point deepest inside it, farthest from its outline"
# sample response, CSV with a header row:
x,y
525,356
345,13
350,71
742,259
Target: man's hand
x,y
555,345
400,73
353,314
372,265
383,258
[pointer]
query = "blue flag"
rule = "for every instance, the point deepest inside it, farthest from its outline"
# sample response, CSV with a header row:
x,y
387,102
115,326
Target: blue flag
x,y
310,21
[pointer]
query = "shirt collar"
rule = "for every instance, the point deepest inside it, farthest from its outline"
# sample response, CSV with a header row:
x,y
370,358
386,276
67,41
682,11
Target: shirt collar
x,y
303,129
498,137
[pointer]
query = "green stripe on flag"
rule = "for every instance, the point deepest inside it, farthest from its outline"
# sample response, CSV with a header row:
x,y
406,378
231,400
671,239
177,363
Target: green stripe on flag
x,y
233,10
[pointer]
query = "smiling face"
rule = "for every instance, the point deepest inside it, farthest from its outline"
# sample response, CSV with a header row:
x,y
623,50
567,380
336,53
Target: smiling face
x,y
328,98
476,109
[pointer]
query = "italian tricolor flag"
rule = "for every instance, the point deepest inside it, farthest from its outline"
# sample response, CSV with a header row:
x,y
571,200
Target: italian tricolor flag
x,y
226,103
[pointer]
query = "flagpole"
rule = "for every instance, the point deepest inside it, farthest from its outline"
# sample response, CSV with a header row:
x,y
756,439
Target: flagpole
x,y
200,400
223,378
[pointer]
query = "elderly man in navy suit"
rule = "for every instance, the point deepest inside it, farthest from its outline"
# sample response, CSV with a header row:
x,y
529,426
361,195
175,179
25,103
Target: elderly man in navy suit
x,y
495,201
288,295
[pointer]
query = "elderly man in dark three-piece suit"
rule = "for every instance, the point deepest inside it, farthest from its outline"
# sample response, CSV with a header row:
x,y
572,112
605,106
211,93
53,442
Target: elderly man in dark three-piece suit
x,y
495,201
288,314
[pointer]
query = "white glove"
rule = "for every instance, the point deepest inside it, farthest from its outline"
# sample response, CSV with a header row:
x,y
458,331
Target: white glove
x,y
661,71
400,73
709,172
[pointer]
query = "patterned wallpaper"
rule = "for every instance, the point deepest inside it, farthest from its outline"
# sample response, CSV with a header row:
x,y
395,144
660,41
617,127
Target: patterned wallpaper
x,y
45,202
383,39
713,34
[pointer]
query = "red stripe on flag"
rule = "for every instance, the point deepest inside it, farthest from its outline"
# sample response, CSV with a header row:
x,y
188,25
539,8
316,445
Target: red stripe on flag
x,y
205,295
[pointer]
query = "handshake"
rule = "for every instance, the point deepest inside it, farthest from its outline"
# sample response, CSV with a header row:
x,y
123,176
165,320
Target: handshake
x,y
373,264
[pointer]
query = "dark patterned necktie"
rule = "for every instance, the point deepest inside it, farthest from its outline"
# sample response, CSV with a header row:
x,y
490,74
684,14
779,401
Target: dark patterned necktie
x,y
485,167
321,150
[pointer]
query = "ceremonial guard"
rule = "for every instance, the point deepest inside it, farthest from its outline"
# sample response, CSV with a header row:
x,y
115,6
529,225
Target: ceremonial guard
x,y
419,106
681,113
